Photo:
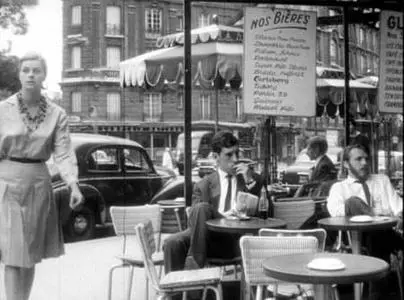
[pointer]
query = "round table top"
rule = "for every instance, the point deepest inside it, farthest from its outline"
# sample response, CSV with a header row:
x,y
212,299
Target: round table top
x,y
251,225
293,268
344,223
171,203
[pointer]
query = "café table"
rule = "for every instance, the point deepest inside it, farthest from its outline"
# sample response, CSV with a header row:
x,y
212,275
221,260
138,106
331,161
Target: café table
x,y
175,206
356,229
238,226
355,268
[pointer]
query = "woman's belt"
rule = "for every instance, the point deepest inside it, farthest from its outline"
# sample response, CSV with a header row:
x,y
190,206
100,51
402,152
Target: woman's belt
x,y
25,160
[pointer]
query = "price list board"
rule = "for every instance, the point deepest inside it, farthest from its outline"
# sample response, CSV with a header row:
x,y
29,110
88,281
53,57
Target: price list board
x,y
279,62
390,96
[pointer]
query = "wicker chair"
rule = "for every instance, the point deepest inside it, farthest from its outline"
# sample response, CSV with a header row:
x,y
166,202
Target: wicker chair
x,y
176,281
294,213
124,220
321,236
255,249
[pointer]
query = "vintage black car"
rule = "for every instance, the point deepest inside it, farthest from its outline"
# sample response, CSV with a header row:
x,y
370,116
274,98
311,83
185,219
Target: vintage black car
x,y
112,171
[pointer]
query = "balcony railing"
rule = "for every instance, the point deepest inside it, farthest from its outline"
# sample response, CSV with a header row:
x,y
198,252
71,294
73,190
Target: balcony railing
x,y
113,29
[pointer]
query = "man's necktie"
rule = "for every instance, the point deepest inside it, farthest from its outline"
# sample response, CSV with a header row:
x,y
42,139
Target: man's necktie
x,y
227,203
367,192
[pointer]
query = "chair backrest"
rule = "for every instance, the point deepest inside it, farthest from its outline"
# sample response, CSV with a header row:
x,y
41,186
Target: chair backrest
x,y
125,218
144,236
294,213
255,249
319,233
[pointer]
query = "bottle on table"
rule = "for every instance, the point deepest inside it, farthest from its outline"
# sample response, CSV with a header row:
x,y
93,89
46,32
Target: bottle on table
x,y
263,205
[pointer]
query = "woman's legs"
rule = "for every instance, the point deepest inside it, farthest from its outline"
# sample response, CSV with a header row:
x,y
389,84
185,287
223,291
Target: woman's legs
x,y
18,282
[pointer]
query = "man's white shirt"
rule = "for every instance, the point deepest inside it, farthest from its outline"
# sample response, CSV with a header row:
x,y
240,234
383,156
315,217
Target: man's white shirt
x,y
223,190
385,198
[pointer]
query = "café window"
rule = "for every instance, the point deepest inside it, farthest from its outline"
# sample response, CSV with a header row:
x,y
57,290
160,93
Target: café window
x,y
153,20
203,20
113,106
180,23
76,57
152,107
239,107
113,57
76,15
113,20
180,101
76,102
333,52
205,107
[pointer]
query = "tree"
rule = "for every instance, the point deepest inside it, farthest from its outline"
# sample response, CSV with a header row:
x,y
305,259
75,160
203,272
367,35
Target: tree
x,y
13,17
9,81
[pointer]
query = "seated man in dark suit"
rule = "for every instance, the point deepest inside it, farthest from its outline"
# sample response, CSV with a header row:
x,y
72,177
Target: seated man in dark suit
x,y
324,168
213,197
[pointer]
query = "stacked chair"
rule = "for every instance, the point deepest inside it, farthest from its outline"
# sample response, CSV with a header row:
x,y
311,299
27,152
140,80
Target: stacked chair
x,y
255,249
124,220
176,281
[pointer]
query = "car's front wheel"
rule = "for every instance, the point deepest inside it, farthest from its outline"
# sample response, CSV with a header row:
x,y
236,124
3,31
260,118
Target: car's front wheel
x,y
80,226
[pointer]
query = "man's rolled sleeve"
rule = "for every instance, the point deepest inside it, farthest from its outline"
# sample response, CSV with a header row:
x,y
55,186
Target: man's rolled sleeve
x,y
335,201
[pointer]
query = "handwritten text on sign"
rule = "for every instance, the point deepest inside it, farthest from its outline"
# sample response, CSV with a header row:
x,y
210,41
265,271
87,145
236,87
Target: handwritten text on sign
x,y
279,62
391,62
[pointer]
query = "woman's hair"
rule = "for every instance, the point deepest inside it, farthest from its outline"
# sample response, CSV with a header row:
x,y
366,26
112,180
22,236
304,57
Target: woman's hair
x,y
223,139
34,56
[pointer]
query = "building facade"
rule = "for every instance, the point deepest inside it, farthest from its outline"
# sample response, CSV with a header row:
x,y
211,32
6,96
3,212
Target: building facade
x,y
97,35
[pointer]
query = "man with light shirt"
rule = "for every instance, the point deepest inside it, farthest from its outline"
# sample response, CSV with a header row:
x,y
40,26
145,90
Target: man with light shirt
x,y
362,193
213,197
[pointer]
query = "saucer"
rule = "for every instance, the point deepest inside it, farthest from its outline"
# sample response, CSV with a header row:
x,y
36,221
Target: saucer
x,y
326,264
361,219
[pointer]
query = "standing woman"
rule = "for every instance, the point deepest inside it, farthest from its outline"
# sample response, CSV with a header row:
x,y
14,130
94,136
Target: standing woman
x,y
31,129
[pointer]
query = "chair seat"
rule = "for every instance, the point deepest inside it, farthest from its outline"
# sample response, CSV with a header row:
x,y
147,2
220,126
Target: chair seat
x,y
137,260
189,278
224,261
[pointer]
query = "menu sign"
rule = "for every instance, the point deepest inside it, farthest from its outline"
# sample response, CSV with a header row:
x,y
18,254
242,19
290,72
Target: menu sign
x,y
279,62
391,62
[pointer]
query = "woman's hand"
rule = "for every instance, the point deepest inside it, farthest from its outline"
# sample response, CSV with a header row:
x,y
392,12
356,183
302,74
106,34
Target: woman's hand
x,y
76,197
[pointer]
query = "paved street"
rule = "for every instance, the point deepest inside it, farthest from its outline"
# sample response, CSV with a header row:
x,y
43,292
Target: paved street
x,y
82,273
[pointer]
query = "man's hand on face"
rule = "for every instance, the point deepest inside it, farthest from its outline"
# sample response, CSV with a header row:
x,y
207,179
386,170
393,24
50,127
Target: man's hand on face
x,y
244,170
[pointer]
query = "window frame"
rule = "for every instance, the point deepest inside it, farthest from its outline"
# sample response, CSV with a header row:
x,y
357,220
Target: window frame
x,y
111,115
73,54
108,55
154,28
102,148
78,19
205,98
74,101
148,99
113,28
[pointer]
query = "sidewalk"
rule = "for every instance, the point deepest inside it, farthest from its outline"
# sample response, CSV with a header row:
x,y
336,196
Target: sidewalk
x,y
82,273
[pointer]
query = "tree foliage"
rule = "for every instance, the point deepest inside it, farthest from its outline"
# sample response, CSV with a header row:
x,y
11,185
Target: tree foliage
x,y
13,17
9,81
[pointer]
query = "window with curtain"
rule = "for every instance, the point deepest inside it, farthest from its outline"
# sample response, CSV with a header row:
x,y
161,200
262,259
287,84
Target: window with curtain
x,y
203,20
239,107
333,51
205,107
152,107
153,20
113,57
76,57
76,15
76,102
113,20
180,23
362,34
113,106
180,101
